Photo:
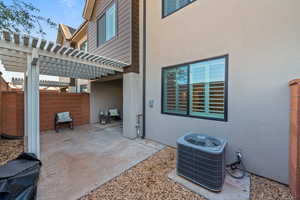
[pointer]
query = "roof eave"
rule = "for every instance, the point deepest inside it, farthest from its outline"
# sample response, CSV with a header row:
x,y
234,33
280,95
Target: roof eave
x,y
88,9
82,27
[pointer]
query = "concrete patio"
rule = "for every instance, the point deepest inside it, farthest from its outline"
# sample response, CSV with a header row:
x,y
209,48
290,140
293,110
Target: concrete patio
x,y
76,162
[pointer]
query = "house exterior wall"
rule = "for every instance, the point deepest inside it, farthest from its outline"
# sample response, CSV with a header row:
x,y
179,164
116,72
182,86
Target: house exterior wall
x,y
105,95
262,41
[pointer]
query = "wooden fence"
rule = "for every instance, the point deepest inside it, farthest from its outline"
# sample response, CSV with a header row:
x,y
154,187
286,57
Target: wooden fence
x,y
12,110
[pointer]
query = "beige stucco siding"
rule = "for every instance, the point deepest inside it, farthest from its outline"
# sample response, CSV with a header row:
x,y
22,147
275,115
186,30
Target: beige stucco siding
x,y
105,95
261,38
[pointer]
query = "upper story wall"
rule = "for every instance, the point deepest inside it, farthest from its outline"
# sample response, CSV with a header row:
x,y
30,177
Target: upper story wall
x,y
125,46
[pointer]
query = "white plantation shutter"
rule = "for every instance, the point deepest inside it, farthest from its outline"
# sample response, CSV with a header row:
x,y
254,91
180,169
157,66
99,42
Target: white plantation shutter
x,y
207,86
175,90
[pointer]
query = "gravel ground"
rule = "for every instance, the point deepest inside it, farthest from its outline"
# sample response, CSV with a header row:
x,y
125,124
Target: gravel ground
x,y
148,180
10,149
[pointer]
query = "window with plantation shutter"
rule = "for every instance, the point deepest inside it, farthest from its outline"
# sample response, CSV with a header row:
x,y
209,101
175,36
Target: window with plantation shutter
x,y
176,90
170,6
207,85
197,89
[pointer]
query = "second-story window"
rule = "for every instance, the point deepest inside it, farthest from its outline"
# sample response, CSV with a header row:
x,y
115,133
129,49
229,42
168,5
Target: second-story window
x,y
83,46
107,25
170,6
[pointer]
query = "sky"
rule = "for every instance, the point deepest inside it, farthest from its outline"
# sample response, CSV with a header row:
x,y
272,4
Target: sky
x,y
67,12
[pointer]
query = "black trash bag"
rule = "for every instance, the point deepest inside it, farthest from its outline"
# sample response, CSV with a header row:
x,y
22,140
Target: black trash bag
x,y
19,178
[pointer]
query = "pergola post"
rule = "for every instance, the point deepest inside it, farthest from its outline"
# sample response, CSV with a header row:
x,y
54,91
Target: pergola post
x,y
25,112
32,107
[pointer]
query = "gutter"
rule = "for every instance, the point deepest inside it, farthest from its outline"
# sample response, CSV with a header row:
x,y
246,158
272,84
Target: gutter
x,y
144,69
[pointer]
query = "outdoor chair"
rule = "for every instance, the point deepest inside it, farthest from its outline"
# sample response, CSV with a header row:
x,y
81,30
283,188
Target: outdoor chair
x,y
63,118
114,114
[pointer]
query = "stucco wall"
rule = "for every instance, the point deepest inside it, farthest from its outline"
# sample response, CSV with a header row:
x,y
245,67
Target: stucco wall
x,y
262,40
105,95
132,104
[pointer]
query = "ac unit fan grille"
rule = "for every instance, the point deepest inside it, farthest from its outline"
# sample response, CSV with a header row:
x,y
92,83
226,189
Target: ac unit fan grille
x,y
203,168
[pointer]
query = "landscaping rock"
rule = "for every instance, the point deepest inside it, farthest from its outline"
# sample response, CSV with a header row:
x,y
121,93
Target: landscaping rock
x,y
149,180
10,149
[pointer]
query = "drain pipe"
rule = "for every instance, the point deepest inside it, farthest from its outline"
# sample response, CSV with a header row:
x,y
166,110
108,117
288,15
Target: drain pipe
x,y
144,69
138,125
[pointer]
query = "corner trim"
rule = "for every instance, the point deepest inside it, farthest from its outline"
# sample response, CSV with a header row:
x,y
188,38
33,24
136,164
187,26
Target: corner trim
x,y
144,67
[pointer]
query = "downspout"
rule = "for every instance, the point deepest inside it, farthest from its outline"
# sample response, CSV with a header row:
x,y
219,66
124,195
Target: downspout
x,y
144,70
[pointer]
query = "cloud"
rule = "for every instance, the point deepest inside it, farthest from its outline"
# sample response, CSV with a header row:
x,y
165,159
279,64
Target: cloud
x,y
69,3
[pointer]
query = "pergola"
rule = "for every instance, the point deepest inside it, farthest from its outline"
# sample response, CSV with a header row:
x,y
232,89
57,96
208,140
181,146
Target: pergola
x,y
33,56
45,83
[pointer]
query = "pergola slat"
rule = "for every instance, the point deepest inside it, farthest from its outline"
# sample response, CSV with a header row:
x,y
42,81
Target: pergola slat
x,y
26,40
17,38
63,50
43,44
75,52
34,42
85,55
12,54
79,54
69,51
50,46
57,48
11,59
6,36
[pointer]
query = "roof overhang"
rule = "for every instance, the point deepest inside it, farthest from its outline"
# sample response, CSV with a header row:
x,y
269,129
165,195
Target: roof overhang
x,y
53,59
80,32
63,33
88,9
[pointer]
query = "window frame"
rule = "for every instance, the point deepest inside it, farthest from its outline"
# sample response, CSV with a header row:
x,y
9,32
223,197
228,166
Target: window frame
x,y
86,46
225,119
163,9
116,25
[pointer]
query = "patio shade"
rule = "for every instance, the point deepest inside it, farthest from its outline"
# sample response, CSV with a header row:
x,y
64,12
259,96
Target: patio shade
x,y
54,59
33,56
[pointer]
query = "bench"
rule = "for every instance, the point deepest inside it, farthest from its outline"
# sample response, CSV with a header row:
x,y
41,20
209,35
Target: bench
x,y
63,118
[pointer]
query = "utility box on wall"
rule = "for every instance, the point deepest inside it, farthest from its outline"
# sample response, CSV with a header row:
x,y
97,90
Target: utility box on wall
x,y
294,176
